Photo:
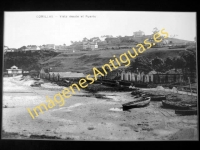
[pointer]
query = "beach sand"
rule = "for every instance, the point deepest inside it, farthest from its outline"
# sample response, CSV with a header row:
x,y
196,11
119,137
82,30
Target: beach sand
x,y
84,117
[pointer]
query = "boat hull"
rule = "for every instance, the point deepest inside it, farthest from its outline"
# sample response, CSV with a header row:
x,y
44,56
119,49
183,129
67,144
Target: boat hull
x,y
186,112
158,98
137,104
174,105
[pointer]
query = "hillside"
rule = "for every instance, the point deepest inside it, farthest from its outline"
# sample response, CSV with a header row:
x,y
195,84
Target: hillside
x,y
127,41
81,61
175,40
27,60
85,61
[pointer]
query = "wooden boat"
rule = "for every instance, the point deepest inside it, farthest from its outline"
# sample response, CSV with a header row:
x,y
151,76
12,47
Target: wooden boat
x,y
140,102
36,78
99,96
157,97
186,112
36,84
175,105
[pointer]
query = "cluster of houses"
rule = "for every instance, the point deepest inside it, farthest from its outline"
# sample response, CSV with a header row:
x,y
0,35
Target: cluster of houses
x,y
95,43
90,45
36,48
54,74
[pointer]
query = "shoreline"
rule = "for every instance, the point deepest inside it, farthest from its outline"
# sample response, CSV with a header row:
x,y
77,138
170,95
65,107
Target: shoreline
x,y
90,118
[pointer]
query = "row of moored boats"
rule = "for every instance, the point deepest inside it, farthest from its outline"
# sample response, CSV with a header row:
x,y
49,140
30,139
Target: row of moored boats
x,y
142,99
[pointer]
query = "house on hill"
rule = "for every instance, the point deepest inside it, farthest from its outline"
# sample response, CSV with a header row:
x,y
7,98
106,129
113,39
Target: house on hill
x,y
61,47
32,48
50,46
112,40
47,47
90,45
11,50
5,48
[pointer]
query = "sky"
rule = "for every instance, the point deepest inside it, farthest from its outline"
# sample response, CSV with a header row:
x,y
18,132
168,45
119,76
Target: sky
x,y
24,28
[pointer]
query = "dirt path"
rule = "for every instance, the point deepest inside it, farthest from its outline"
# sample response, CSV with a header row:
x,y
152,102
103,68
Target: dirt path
x,y
89,118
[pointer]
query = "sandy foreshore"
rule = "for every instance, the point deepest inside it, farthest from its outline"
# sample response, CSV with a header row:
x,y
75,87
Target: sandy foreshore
x,y
88,118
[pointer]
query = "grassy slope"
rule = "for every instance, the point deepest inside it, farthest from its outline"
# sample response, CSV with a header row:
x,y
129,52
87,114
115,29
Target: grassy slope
x,y
28,60
85,61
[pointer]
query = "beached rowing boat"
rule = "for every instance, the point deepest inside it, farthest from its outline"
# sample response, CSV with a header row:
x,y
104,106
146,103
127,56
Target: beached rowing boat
x,y
99,96
140,102
175,105
186,112
157,97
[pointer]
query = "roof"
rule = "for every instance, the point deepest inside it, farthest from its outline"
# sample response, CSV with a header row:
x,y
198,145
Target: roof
x,y
152,72
68,74
14,67
71,75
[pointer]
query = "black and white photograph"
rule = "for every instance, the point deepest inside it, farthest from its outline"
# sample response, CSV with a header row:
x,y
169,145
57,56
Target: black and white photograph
x,y
100,76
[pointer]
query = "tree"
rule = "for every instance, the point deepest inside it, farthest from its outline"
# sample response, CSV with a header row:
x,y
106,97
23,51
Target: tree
x,y
155,30
190,58
169,63
158,64
142,63
179,62
22,48
108,36
84,39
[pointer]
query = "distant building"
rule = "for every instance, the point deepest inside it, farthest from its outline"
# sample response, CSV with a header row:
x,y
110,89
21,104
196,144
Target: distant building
x,y
25,73
61,47
11,50
50,46
138,33
90,45
5,48
13,71
32,48
112,40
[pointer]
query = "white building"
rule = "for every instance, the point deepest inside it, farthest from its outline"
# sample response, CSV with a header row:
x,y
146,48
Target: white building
x,y
13,71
